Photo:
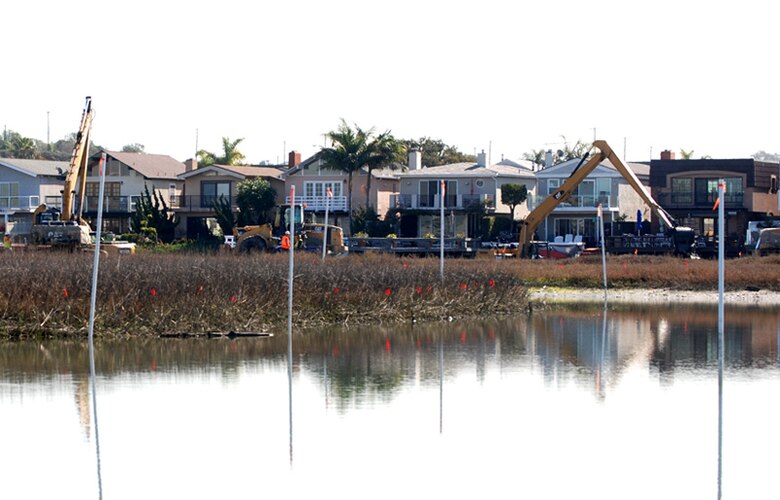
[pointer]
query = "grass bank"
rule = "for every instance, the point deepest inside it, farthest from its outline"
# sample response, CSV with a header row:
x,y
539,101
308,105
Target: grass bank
x,y
48,294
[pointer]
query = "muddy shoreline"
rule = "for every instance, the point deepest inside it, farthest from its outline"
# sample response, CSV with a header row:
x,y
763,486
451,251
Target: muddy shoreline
x,y
558,295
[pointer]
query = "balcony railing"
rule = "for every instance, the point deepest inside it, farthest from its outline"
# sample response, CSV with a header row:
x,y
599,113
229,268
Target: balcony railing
x,y
431,202
124,204
700,200
198,203
318,203
13,203
578,201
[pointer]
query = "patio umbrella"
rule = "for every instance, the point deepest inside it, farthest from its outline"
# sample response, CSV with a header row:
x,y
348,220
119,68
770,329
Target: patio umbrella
x,y
639,222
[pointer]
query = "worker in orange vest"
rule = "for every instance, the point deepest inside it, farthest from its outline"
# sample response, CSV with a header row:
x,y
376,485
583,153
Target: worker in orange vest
x,y
286,241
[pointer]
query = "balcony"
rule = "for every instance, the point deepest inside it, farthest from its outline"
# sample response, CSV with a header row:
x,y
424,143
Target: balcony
x,y
578,202
197,203
452,202
318,203
10,204
690,201
111,204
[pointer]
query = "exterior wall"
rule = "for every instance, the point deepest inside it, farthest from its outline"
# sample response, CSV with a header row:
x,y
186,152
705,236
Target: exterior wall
x,y
521,211
32,190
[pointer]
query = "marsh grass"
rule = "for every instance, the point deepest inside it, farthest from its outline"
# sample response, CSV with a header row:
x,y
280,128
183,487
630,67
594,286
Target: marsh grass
x,y
48,294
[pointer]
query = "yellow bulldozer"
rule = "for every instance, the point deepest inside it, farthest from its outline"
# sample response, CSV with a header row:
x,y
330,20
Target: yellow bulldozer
x,y
309,236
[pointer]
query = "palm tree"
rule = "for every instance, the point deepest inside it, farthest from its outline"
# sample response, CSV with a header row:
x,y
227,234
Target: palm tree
x,y
385,151
350,150
231,156
24,147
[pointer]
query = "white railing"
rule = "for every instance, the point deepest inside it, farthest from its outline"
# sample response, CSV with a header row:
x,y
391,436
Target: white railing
x,y
576,201
318,203
432,202
11,203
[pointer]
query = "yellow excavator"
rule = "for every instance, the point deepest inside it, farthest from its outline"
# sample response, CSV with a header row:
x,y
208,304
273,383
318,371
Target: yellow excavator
x,y
265,237
683,237
66,227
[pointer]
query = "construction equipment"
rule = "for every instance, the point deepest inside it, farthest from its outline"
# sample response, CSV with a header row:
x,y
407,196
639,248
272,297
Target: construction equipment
x,y
683,238
66,227
265,237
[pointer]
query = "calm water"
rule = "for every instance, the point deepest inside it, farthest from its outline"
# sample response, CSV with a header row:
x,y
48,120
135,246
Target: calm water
x,y
553,405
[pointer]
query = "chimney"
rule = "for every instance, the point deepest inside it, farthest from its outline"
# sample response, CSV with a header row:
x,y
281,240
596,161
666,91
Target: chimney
x,y
293,159
190,164
415,159
548,158
482,159
667,155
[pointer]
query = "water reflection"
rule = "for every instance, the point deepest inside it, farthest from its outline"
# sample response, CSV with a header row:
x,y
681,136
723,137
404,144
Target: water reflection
x,y
551,384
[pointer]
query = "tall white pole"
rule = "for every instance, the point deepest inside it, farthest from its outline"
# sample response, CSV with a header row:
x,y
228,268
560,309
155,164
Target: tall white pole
x,y
325,233
290,275
721,341
93,298
603,251
443,193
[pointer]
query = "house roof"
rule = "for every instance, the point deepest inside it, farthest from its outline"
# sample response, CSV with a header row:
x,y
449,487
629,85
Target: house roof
x,y
151,166
470,169
604,169
35,168
239,171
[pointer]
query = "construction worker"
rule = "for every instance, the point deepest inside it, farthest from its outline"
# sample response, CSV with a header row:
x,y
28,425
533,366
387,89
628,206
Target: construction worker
x,y
285,245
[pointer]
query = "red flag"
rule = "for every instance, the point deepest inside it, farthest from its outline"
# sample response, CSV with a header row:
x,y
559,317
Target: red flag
x,y
717,202
443,188
329,193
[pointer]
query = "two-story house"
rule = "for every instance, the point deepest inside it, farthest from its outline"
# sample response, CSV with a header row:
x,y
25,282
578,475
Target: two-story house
x,y
24,185
578,215
470,191
687,189
205,185
312,178
127,175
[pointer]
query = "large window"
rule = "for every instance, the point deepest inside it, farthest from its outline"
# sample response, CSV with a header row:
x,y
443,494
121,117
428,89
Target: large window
x,y
318,188
9,194
210,191
706,191
682,190
429,192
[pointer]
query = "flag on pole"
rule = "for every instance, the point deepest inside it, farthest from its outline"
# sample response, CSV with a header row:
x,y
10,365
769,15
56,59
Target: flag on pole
x,y
329,193
443,188
717,202
599,210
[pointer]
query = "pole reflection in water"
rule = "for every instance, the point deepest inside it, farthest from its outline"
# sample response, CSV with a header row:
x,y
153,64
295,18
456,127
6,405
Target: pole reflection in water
x,y
441,383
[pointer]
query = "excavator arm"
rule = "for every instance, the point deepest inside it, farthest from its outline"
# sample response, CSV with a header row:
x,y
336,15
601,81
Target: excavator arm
x,y
585,167
76,178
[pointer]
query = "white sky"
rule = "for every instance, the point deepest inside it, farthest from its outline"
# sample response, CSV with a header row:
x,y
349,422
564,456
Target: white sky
x,y
517,75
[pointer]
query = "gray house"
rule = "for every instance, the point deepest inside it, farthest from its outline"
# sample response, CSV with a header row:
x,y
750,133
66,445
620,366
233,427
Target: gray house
x,y
24,185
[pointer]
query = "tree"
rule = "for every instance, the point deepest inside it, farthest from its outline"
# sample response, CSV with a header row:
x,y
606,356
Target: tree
x,y
566,153
351,149
231,155
255,197
386,151
24,147
686,155
513,195
764,156
133,148
151,211
223,212
435,152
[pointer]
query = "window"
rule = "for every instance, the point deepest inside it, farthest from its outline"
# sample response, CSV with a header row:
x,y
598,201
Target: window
x,y
553,185
682,190
706,191
9,194
429,194
319,188
210,191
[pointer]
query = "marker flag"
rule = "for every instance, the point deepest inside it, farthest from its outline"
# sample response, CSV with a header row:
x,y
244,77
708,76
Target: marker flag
x,y
717,202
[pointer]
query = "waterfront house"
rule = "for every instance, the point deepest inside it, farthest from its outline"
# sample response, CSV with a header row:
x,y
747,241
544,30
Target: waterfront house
x,y
24,185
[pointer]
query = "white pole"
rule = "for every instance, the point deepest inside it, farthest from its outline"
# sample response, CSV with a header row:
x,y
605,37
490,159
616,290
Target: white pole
x,y
603,251
325,234
442,193
91,332
721,342
290,274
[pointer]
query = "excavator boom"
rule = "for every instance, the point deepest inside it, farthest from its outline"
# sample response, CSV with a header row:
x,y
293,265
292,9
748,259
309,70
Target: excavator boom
x,y
586,166
76,178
